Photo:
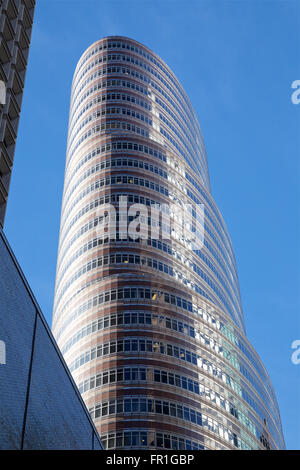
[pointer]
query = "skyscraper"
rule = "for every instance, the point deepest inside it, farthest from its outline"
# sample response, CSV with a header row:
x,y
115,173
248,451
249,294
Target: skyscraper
x,y
151,326
16,17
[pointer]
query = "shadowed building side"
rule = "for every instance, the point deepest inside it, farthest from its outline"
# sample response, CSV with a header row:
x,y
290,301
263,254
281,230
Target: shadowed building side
x,y
16,18
40,406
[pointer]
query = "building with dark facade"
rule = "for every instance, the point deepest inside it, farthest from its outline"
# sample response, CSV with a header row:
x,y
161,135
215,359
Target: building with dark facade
x,y
16,17
40,405
152,328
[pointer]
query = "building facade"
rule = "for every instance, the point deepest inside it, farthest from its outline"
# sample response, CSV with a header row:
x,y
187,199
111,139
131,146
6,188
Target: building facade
x,y
151,327
40,407
16,18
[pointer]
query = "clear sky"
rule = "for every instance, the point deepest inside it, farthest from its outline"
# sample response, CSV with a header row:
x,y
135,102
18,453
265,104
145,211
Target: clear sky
x,y
236,61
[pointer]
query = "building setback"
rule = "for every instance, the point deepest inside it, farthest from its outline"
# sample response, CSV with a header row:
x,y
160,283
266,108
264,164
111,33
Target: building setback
x,y
16,17
151,329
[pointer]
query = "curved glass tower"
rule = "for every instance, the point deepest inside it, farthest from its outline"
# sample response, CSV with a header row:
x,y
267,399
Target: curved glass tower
x,y
151,327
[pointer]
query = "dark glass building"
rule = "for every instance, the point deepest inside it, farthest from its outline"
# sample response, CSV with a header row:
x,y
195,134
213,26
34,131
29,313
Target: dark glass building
x,y
40,406
16,18
151,328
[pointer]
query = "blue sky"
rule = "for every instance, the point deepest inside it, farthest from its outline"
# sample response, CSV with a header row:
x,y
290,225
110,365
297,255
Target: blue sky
x,y
236,60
